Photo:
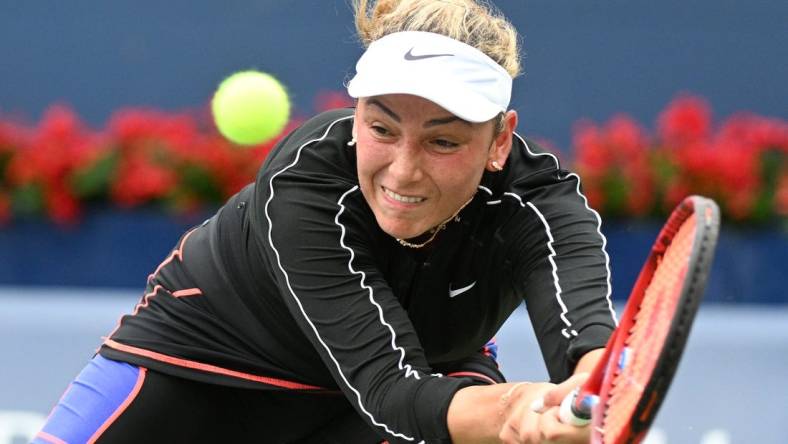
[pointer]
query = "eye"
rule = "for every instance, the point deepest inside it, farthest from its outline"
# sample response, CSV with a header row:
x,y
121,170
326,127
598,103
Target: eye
x,y
444,144
380,130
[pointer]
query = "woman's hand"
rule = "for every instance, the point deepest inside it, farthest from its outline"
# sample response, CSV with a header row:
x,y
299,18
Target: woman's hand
x,y
531,414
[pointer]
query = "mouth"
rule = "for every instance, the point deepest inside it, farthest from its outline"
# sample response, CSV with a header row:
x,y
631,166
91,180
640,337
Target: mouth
x,y
401,198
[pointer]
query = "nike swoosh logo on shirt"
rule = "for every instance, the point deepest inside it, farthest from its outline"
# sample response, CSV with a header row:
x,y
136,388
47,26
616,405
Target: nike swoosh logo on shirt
x,y
459,291
410,56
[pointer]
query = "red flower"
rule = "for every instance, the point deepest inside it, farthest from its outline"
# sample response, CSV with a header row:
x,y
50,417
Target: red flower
x,y
614,164
781,195
675,192
5,208
594,194
60,144
327,100
179,159
62,207
139,180
627,136
591,153
12,136
686,120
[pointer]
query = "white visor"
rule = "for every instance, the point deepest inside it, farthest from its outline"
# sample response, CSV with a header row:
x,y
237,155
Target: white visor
x,y
455,76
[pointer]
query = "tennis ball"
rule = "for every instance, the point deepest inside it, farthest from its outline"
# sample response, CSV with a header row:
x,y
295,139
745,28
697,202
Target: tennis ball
x,y
250,107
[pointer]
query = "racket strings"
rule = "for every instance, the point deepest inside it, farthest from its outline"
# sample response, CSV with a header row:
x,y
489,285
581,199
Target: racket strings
x,y
648,332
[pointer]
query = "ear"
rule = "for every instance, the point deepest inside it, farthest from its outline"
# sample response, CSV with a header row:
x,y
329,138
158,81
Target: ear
x,y
502,144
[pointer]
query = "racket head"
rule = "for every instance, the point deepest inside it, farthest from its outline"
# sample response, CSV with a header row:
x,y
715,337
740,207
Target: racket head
x,y
643,354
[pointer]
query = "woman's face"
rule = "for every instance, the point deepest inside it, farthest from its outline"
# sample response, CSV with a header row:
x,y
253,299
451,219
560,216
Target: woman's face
x,y
418,163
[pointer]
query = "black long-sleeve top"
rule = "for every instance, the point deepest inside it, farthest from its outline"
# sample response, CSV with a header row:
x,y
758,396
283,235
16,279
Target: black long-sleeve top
x,y
293,285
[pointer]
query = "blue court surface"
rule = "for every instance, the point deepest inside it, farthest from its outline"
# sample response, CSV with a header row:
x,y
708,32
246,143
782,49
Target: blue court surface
x,y
729,387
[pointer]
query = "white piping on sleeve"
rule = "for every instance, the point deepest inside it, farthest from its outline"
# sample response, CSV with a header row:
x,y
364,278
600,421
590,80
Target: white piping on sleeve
x,y
598,226
551,257
407,368
298,301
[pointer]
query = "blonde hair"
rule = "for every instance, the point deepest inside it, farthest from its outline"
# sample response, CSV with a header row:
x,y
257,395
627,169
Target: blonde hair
x,y
474,23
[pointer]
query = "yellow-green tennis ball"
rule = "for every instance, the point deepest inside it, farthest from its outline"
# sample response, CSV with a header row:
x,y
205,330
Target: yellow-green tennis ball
x,y
250,107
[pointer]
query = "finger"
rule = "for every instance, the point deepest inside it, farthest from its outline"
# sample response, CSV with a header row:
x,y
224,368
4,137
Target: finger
x,y
529,431
521,424
557,394
554,431
538,405
508,435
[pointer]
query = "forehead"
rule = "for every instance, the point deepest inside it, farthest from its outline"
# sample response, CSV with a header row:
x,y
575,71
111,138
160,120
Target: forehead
x,y
405,101
410,107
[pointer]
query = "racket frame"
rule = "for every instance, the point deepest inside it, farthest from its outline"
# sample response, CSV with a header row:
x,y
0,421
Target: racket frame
x,y
600,380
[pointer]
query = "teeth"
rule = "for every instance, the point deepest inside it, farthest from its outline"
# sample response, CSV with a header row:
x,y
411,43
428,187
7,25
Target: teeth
x,y
401,198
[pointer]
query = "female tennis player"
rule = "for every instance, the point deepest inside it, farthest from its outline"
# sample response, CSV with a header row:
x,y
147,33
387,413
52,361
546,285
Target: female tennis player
x,y
349,295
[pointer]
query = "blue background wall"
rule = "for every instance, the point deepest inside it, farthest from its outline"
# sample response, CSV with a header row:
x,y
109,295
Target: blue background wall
x,y
582,59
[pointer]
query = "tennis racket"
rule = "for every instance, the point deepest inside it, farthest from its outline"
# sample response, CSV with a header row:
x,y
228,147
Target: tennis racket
x,y
623,393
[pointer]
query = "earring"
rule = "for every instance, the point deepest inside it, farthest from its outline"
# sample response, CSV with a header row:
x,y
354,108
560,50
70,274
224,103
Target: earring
x,y
496,165
352,142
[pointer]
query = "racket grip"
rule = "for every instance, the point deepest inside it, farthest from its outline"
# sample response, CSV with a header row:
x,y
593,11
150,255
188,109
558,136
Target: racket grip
x,y
577,414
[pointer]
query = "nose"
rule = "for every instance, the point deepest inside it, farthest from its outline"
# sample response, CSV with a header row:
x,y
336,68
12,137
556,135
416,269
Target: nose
x,y
406,165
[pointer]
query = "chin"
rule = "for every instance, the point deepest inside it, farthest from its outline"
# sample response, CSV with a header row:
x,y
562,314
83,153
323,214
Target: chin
x,y
400,229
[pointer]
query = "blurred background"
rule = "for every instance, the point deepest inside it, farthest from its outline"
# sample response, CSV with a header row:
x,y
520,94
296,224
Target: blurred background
x,y
108,153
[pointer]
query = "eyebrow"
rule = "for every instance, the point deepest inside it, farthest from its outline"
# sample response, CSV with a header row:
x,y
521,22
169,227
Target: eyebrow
x,y
427,124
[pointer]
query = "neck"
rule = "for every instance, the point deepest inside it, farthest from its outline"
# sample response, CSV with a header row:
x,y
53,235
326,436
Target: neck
x,y
433,232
